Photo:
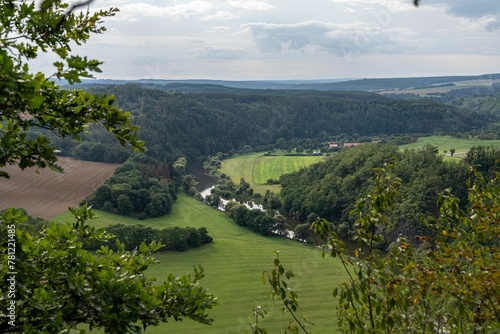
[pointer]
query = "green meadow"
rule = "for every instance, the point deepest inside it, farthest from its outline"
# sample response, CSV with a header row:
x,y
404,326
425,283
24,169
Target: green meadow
x,y
233,264
445,143
257,168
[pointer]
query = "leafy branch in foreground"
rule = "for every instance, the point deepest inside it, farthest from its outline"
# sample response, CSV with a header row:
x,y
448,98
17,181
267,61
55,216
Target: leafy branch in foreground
x,y
61,286
288,296
30,101
449,284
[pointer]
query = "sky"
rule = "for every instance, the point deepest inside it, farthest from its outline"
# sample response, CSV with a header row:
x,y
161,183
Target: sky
x,y
292,39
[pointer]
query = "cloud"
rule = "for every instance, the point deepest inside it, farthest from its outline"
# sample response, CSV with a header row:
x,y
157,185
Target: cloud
x,y
220,16
250,5
391,5
194,40
468,8
218,30
130,12
205,10
218,52
488,10
339,39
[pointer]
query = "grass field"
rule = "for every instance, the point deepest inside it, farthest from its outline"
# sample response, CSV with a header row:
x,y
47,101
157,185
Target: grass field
x,y
444,89
257,168
445,143
234,263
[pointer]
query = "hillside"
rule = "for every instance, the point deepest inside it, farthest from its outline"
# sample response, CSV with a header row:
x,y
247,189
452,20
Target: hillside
x,y
365,84
198,125
233,264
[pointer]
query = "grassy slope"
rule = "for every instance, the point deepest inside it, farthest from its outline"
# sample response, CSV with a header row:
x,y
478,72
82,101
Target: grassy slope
x,y
272,167
256,168
233,264
445,143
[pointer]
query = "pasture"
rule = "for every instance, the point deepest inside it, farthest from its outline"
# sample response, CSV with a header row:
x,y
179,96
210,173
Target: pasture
x,y
233,264
45,193
257,168
439,88
445,143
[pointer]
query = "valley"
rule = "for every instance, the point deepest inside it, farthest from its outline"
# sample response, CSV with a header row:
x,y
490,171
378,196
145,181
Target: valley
x,y
251,135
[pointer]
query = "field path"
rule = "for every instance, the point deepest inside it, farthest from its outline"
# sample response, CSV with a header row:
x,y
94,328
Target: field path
x,y
47,193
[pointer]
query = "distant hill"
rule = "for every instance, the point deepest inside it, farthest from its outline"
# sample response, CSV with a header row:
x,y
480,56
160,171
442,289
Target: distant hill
x,y
197,125
368,84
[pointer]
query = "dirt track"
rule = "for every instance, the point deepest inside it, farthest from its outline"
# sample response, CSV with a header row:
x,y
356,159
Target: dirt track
x,y
50,193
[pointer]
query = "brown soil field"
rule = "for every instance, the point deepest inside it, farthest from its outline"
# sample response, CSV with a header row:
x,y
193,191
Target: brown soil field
x,y
47,194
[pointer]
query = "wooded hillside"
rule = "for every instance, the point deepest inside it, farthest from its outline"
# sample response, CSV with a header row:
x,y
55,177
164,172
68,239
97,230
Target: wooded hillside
x,y
202,124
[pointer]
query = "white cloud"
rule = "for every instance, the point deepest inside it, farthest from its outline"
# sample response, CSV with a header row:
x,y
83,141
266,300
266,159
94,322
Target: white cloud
x,y
218,30
339,39
130,12
219,52
296,39
391,5
220,16
250,5
486,10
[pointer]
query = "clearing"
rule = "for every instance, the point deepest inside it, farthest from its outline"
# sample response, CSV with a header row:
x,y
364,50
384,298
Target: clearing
x,y
45,193
257,168
445,143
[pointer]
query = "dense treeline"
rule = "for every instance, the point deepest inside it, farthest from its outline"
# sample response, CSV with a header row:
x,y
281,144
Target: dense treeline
x,y
255,219
330,189
132,236
142,187
172,238
175,124
96,144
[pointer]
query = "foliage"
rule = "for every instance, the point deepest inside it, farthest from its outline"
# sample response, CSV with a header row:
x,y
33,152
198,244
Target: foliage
x,y
60,286
329,189
100,152
172,238
280,288
256,220
54,284
141,187
484,159
449,284
31,100
203,124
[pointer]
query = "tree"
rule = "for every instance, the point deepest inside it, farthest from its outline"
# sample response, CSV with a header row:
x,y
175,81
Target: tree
x,y
452,151
450,283
50,284
33,101
54,285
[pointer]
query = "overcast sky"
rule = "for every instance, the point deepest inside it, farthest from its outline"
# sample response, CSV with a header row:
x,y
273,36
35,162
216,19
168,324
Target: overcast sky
x,y
292,39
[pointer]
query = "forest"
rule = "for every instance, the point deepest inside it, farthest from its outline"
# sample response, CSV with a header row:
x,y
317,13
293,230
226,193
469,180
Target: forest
x,y
330,189
197,125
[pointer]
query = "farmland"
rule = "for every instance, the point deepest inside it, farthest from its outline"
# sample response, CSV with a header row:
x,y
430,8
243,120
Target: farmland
x,y
445,143
45,193
233,265
257,168
440,88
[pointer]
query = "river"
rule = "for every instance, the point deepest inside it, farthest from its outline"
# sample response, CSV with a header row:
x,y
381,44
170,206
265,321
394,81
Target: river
x,y
207,182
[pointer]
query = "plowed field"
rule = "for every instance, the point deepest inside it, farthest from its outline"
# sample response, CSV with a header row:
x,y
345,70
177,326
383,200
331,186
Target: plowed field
x,y
49,193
